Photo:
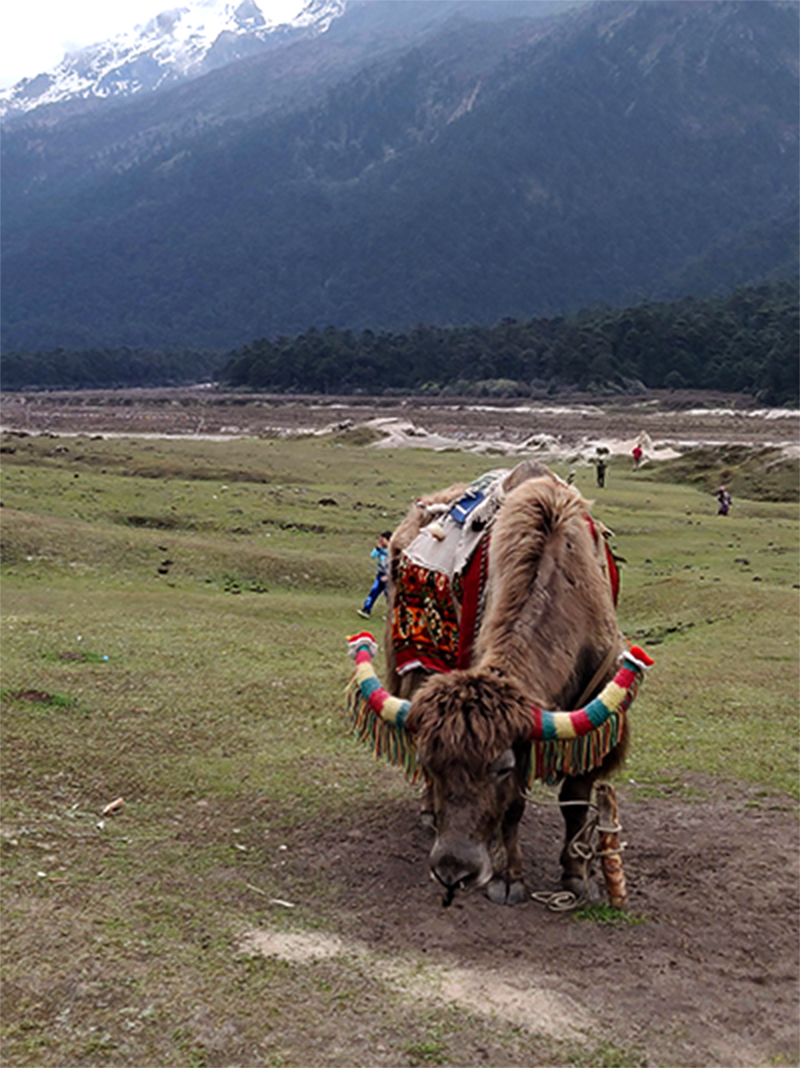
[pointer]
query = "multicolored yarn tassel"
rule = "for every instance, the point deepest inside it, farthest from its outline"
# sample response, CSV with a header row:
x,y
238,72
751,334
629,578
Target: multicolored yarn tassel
x,y
573,743
563,743
377,718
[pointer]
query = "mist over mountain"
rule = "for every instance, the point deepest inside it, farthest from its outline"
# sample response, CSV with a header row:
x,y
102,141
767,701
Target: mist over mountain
x,y
435,161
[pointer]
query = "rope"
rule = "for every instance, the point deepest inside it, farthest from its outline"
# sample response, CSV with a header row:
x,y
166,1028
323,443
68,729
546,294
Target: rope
x,y
558,900
581,847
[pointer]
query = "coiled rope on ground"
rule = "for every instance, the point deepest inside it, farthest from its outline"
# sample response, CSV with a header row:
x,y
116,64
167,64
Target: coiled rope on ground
x,y
581,847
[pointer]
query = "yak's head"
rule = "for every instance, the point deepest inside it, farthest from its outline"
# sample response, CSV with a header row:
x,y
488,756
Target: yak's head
x,y
473,741
472,733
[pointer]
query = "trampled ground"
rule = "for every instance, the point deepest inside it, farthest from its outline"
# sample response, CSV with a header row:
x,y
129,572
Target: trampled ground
x,y
709,977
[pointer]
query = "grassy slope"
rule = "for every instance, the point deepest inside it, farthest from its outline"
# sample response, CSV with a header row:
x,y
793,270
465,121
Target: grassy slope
x,y
224,677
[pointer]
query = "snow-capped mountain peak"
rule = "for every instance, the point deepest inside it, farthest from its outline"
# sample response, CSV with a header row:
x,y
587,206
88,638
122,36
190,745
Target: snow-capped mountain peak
x,y
181,42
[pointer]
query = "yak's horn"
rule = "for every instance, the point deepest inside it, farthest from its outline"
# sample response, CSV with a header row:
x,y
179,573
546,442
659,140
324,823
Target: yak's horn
x,y
362,648
564,743
376,717
614,699
574,743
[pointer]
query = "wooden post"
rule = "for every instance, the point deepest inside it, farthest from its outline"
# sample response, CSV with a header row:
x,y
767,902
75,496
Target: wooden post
x,y
609,848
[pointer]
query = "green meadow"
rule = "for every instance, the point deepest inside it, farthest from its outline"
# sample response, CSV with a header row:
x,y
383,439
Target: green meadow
x,y
173,625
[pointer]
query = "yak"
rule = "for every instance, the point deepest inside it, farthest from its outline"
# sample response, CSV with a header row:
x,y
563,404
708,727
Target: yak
x,y
501,606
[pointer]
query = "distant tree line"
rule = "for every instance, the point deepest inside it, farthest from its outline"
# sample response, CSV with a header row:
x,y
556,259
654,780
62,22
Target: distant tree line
x,y
745,342
105,368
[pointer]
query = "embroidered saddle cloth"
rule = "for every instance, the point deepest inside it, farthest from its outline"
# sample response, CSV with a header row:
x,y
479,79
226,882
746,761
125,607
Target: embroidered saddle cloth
x,y
442,574
441,581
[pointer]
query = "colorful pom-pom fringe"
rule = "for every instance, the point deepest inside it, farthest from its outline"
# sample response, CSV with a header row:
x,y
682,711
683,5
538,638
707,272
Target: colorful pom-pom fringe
x,y
562,744
577,744
376,719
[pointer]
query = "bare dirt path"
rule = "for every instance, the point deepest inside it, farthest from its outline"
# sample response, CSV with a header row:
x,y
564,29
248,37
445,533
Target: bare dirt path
x,y
708,977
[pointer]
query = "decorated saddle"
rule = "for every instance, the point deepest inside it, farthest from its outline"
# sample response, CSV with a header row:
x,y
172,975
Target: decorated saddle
x,y
442,576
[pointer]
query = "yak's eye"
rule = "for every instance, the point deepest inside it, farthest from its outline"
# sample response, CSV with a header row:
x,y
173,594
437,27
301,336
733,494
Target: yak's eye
x,y
502,767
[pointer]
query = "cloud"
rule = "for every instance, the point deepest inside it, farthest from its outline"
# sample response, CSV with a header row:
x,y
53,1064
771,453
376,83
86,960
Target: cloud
x,y
34,37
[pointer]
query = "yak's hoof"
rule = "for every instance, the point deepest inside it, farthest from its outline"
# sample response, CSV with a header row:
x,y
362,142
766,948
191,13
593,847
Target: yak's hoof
x,y
428,820
497,890
503,893
517,894
577,885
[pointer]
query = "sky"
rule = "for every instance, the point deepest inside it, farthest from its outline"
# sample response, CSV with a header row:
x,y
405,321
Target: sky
x,y
35,34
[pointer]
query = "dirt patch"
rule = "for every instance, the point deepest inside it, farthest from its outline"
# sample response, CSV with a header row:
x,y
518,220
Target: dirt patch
x,y
708,976
517,999
499,994
290,947
36,697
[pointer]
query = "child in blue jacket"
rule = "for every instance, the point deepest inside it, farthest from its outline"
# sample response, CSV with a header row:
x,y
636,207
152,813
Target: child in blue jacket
x,y
381,554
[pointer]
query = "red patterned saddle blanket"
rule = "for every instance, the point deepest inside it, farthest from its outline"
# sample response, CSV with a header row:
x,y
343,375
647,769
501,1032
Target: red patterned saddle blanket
x,y
440,595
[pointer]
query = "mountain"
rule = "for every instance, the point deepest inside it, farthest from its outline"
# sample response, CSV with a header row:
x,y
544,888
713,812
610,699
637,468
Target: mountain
x,y
176,45
183,43
422,161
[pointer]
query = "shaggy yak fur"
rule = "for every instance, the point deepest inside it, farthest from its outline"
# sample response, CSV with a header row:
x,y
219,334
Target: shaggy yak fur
x,y
549,637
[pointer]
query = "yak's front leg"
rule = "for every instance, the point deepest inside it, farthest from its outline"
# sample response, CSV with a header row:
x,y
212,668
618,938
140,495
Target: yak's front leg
x,y
574,797
507,887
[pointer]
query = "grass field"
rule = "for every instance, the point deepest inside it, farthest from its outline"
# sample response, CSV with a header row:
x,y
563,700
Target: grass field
x,y
174,616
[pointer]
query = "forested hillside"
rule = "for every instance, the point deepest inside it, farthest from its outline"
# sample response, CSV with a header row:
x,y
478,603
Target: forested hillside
x,y
747,342
620,152
744,343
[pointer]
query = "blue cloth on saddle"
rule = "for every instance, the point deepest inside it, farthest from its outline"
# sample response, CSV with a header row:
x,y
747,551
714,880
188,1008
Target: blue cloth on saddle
x,y
462,509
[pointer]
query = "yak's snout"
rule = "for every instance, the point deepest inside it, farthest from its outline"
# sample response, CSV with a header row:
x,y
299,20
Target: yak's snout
x,y
460,864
